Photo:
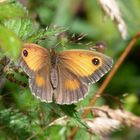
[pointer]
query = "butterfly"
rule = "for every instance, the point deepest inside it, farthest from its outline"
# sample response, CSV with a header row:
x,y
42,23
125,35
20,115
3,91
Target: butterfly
x,y
64,77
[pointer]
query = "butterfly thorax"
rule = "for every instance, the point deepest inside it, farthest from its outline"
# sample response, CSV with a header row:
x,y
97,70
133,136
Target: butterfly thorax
x,y
53,74
53,57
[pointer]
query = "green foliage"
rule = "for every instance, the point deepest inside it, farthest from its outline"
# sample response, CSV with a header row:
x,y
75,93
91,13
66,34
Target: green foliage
x,y
10,43
15,121
23,28
70,110
11,9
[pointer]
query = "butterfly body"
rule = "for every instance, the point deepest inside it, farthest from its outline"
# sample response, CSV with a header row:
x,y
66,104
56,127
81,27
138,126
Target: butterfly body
x,y
62,77
53,73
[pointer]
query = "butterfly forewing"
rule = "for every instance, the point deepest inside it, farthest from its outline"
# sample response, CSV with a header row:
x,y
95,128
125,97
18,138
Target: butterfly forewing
x,y
33,58
88,66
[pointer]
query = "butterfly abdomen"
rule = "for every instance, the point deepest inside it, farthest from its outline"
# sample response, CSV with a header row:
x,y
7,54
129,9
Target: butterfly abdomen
x,y
54,78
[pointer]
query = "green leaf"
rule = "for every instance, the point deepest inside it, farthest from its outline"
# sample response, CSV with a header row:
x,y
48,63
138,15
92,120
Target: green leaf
x,y
11,9
29,31
9,43
24,99
24,28
47,37
71,112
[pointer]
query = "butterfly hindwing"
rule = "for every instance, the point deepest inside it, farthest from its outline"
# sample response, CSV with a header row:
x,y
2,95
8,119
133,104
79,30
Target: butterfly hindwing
x,y
70,89
40,85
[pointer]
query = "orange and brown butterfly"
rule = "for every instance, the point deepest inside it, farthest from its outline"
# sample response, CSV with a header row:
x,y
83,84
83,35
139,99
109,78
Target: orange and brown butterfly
x,y
63,78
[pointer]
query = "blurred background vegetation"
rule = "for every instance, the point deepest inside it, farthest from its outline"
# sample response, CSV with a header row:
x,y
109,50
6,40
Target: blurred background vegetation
x,y
22,115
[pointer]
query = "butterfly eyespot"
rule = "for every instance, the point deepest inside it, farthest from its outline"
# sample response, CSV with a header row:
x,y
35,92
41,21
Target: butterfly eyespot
x,y
25,53
95,61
